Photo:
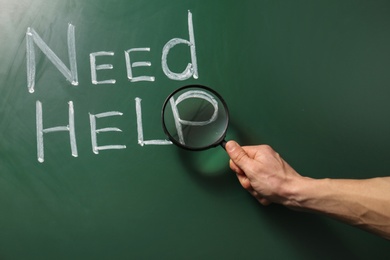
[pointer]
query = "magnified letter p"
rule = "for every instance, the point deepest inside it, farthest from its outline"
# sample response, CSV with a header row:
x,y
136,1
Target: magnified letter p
x,y
187,95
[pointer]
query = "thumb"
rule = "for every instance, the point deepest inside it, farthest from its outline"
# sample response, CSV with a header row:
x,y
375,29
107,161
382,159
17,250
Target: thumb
x,y
237,154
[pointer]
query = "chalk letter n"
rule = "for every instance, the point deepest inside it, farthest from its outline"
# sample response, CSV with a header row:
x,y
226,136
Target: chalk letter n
x,y
70,74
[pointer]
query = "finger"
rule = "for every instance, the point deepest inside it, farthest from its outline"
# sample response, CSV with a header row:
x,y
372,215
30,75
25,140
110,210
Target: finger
x,y
244,181
237,154
264,201
259,197
235,168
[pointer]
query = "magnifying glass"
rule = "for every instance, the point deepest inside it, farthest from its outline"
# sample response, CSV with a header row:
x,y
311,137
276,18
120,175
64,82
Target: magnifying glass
x,y
195,117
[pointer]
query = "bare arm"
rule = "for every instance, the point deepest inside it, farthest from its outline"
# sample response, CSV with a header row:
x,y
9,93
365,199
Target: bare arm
x,y
361,203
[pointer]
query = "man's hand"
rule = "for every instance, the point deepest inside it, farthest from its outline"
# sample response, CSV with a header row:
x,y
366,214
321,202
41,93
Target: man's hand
x,y
262,172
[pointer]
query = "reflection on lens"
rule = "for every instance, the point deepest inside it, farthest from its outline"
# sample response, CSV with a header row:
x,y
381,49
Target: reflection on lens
x,y
195,117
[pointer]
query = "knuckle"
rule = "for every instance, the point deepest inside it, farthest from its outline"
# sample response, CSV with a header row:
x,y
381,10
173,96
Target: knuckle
x,y
239,156
245,184
267,148
268,152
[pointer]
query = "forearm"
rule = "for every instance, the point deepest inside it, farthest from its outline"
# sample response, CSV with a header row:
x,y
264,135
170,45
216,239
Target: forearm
x,y
362,203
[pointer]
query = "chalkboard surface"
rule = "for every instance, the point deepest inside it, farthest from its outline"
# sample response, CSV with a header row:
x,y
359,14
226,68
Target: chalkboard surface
x,y
85,168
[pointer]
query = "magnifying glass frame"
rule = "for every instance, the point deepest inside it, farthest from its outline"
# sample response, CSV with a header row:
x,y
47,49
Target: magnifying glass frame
x,y
220,141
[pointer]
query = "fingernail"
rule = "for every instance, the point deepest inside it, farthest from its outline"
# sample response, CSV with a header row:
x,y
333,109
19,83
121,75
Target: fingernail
x,y
230,146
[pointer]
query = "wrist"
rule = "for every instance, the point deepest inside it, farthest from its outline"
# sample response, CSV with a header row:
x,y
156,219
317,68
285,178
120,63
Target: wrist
x,y
300,193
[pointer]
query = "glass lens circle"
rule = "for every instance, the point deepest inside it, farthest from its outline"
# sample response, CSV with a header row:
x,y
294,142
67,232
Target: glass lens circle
x,y
195,117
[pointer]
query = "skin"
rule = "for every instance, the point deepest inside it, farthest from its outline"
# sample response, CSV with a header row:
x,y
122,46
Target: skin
x,y
268,178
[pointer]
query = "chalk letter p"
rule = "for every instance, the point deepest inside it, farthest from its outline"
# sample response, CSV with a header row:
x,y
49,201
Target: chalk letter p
x,y
179,122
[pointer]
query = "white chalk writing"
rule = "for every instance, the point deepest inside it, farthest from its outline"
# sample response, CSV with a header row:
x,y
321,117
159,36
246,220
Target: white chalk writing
x,y
70,73
33,37
130,65
192,69
186,95
94,131
40,130
140,130
94,67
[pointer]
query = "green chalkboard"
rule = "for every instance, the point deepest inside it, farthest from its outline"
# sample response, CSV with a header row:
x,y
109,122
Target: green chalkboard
x,y
85,168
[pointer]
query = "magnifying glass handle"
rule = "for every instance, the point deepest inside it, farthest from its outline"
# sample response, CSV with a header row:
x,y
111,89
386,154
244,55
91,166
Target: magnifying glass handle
x,y
223,144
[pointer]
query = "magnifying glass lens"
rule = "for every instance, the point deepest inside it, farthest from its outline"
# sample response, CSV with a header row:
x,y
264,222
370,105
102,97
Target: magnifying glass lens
x,y
195,117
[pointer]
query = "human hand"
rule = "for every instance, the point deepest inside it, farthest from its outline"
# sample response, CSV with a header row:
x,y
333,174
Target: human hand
x,y
262,172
